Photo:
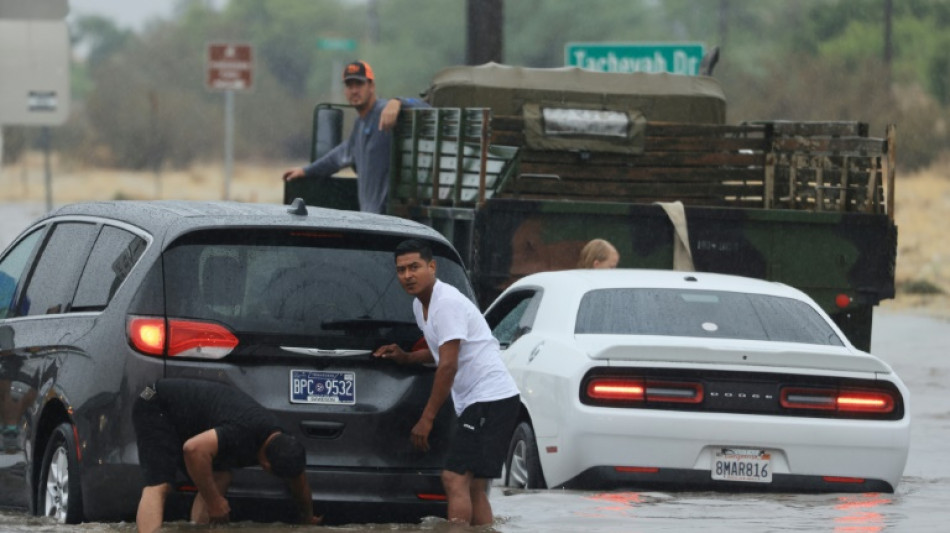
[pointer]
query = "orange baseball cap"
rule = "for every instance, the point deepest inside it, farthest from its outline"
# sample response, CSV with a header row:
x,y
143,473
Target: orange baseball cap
x,y
358,70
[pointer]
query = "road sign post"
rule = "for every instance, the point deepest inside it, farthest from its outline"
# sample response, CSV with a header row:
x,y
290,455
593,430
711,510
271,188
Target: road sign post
x,y
230,68
676,58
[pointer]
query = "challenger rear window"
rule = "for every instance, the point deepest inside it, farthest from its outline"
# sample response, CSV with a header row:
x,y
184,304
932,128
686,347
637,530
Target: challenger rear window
x,y
709,314
338,289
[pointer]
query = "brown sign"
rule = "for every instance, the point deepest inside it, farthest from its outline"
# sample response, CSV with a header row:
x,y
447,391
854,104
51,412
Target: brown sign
x,y
230,67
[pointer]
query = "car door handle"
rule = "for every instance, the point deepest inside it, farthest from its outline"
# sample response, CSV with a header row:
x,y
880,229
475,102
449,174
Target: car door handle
x,y
321,429
535,351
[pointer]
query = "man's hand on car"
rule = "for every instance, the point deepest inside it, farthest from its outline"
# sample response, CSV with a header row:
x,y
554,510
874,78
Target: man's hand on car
x,y
392,351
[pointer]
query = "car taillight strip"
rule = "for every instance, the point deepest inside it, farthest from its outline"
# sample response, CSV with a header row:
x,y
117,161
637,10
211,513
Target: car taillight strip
x,y
636,390
856,400
614,389
674,392
203,340
870,401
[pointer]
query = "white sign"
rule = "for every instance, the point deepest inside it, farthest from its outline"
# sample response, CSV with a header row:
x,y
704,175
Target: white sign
x,y
34,72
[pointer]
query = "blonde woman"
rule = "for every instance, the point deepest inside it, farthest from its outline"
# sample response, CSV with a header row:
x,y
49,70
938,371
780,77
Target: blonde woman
x,y
598,253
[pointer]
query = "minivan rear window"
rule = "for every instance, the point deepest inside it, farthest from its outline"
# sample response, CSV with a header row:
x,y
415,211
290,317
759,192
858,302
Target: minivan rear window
x,y
337,289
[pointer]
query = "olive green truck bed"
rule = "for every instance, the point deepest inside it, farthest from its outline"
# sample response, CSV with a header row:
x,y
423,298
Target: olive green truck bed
x,y
524,183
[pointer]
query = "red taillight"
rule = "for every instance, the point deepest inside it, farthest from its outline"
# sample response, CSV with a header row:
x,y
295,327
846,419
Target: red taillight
x,y
432,497
865,401
637,469
840,479
184,338
199,339
147,335
639,390
842,301
843,400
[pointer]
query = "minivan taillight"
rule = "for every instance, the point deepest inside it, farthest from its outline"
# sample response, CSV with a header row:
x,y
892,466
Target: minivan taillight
x,y
182,338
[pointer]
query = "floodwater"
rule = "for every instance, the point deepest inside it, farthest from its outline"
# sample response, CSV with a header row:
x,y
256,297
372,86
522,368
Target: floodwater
x,y
914,345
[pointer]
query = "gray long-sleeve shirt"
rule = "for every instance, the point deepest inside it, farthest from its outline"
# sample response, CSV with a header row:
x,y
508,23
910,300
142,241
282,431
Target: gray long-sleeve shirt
x,y
367,150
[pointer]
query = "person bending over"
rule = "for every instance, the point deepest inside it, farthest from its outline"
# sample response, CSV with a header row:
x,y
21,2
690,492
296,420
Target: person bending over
x,y
207,428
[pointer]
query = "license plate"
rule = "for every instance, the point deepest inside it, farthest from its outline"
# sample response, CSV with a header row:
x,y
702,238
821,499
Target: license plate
x,y
315,386
732,464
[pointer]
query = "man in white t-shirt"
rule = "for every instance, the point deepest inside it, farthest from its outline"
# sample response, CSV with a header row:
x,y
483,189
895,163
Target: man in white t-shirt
x,y
470,368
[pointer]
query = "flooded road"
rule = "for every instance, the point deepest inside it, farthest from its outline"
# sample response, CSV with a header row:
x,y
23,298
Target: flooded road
x,y
914,345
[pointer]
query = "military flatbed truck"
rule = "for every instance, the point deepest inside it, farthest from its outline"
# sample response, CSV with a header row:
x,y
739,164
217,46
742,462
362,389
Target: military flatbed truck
x,y
520,167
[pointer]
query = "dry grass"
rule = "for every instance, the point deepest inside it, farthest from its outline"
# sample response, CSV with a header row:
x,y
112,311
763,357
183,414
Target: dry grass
x,y
922,209
23,182
923,249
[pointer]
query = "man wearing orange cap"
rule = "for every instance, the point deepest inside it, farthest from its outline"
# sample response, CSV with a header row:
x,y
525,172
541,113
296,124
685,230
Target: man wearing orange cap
x,y
367,149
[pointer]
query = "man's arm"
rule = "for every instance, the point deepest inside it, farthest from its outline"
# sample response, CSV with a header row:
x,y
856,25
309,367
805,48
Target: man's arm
x,y
199,452
441,388
325,166
300,490
390,113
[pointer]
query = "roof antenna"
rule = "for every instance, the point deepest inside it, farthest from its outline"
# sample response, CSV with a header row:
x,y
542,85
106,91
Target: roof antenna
x,y
298,207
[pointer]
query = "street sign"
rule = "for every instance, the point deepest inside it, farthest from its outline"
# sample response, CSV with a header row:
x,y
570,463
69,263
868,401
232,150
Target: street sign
x,y
230,67
34,9
676,58
34,72
337,45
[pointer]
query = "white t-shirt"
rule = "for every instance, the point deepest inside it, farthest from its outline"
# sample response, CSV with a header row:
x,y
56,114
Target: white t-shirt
x,y
481,375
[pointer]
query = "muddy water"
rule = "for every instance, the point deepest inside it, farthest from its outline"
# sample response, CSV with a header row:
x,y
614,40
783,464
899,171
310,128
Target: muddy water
x,y
914,345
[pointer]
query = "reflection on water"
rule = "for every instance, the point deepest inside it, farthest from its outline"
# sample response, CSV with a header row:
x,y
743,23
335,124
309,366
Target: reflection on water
x,y
612,504
861,513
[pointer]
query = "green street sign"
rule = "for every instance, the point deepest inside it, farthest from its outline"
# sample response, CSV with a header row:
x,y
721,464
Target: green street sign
x,y
337,45
677,58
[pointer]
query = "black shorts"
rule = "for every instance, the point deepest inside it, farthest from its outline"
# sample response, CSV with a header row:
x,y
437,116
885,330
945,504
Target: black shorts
x,y
481,438
160,448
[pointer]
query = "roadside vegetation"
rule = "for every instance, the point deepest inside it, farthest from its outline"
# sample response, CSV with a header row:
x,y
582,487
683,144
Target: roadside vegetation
x,y
140,100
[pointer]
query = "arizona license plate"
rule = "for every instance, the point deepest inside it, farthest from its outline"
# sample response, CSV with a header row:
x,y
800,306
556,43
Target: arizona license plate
x,y
732,464
315,386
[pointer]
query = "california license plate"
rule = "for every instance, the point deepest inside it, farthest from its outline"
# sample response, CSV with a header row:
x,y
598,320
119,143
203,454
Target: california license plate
x,y
733,464
315,386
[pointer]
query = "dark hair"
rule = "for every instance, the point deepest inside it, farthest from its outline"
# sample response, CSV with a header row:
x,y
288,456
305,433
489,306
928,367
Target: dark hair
x,y
286,456
414,246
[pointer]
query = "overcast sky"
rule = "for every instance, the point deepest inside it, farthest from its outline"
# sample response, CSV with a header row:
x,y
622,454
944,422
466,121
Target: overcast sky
x,y
125,13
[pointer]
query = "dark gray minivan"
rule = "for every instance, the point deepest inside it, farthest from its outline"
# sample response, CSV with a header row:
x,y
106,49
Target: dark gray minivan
x,y
287,303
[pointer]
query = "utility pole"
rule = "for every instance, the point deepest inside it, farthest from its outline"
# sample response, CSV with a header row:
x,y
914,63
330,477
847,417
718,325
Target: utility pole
x,y
372,22
723,24
484,31
888,39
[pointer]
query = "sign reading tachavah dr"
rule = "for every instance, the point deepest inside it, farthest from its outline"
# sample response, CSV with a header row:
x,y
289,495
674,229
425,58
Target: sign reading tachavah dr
x,y
230,67
677,58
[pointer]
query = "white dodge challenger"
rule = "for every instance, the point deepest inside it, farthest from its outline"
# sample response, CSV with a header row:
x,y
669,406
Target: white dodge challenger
x,y
665,379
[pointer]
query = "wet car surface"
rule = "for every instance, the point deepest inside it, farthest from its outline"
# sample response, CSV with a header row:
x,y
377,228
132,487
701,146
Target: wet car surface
x,y
98,300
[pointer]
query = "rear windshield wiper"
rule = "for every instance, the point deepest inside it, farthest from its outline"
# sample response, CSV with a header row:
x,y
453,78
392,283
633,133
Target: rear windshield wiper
x,y
364,323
